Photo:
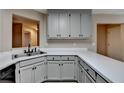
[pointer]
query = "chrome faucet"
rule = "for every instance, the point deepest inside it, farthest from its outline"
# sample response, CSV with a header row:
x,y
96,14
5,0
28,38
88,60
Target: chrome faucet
x,y
29,51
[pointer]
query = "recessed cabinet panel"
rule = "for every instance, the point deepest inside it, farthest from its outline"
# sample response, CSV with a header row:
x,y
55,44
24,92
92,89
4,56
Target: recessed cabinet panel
x,y
75,24
40,72
99,79
64,25
67,70
86,25
27,74
81,72
53,70
53,25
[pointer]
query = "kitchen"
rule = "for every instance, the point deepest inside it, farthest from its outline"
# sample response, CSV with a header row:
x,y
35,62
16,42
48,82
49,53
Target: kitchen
x,y
66,47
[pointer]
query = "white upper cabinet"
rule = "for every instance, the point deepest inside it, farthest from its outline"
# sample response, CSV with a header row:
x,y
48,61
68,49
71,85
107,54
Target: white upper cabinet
x,y
86,25
53,25
64,25
69,24
75,24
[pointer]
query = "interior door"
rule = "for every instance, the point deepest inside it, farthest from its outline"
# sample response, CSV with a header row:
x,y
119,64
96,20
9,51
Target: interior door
x,y
75,24
53,70
53,24
64,25
67,70
27,74
17,35
114,42
40,72
27,38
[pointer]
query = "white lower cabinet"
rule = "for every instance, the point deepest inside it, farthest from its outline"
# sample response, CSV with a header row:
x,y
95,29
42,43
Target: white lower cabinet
x,y
56,68
26,74
53,70
60,71
84,73
88,78
40,72
67,70
99,79
31,71
81,75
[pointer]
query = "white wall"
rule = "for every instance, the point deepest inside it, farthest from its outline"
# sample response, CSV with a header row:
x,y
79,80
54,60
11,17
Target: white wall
x,y
6,30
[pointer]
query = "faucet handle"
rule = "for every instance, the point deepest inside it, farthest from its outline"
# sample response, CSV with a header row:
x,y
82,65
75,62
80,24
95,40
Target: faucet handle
x,y
35,49
25,51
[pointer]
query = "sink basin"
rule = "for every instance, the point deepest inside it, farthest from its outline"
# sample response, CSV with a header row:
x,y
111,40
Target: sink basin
x,y
27,54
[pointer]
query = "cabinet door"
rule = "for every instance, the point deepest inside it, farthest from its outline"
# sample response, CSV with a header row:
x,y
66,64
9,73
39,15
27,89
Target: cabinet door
x,y
86,26
53,24
67,70
27,74
99,79
88,79
64,25
81,78
53,70
40,72
75,24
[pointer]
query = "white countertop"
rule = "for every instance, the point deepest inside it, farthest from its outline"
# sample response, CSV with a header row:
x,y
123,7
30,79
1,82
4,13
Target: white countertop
x,y
110,69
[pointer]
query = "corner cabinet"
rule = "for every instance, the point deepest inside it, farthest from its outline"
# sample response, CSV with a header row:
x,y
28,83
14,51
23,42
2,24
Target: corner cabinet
x,y
69,24
31,71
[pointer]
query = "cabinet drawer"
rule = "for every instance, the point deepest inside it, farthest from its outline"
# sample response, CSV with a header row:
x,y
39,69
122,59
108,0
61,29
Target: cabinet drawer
x,y
53,58
99,79
31,61
66,58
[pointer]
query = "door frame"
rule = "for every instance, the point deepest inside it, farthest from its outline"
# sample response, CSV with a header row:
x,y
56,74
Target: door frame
x,y
106,33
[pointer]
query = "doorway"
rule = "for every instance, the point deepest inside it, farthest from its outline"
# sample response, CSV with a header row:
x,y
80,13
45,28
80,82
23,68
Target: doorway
x,y
109,40
24,31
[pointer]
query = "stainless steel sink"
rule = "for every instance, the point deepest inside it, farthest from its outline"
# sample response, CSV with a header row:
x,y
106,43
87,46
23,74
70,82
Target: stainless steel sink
x,y
14,56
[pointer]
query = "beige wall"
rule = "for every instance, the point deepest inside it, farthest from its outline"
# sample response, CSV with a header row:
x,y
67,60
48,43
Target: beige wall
x,y
0,30
6,25
122,40
7,29
33,35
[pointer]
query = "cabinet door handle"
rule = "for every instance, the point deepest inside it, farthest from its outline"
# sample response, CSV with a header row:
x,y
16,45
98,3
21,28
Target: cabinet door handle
x,y
33,68
87,70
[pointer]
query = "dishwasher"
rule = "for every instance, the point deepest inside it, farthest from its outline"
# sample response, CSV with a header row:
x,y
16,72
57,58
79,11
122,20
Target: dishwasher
x,y
7,75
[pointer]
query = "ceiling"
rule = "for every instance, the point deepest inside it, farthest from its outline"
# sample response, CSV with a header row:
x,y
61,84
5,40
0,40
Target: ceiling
x,y
94,11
